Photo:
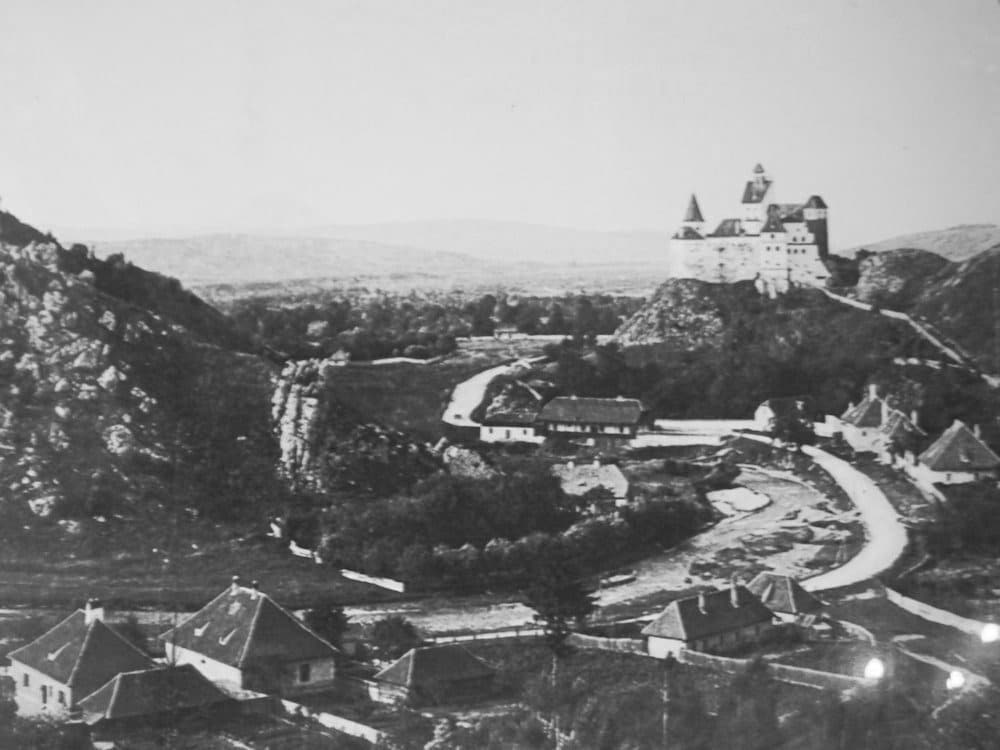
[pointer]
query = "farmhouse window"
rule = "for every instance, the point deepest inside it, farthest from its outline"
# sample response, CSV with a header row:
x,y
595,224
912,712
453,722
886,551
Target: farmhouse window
x,y
304,672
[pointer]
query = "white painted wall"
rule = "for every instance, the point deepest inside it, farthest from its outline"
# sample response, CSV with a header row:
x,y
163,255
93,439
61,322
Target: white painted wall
x,y
29,697
661,648
214,670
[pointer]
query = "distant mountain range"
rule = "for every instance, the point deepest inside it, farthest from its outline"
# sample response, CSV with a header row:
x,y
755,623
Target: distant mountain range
x,y
955,243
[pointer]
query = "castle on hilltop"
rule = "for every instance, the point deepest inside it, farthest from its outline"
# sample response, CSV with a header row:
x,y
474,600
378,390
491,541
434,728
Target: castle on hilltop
x,y
776,245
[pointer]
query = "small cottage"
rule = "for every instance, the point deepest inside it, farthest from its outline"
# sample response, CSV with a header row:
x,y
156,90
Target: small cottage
x,y
958,456
434,674
785,597
575,416
509,427
714,621
69,662
244,639
765,414
154,696
862,423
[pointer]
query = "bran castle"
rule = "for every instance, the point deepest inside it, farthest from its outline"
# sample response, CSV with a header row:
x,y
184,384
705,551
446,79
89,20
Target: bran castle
x,y
776,245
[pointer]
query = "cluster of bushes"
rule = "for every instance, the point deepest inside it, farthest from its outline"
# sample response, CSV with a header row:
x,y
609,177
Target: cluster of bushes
x,y
472,533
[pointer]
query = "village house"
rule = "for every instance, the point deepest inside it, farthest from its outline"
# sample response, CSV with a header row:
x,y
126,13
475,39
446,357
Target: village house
x,y
899,437
785,406
507,332
716,622
431,675
509,427
577,480
154,696
244,639
862,423
785,598
958,456
69,662
579,416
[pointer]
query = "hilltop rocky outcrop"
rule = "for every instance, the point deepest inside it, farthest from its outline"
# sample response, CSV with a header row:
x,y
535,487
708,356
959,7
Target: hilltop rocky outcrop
x,y
898,278
682,313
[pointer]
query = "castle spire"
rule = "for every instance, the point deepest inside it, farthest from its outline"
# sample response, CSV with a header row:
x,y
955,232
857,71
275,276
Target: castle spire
x,y
693,213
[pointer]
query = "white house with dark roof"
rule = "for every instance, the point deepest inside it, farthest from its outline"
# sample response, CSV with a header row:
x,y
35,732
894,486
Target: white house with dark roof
x,y
243,638
777,245
862,422
785,597
958,456
591,417
70,661
715,621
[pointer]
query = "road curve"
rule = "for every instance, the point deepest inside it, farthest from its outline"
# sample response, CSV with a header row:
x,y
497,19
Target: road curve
x,y
885,535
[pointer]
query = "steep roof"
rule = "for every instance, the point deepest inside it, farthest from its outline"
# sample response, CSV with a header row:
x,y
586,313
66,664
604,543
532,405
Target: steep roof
x,y
81,656
755,192
866,414
728,228
958,449
693,212
759,169
687,233
592,410
579,479
815,202
783,594
151,691
242,626
430,665
684,619
898,426
790,212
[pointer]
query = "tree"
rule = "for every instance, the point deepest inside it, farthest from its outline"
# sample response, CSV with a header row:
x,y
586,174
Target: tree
x,y
329,623
560,600
793,427
393,636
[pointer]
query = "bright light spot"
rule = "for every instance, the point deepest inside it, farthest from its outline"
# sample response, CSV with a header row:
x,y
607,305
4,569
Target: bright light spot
x,y
955,680
991,633
874,669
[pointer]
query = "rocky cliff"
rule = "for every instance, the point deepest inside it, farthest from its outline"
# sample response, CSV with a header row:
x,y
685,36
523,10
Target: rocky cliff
x,y
327,445
683,313
897,278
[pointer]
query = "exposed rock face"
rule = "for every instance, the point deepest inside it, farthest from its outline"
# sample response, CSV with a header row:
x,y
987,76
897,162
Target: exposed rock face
x,y
896,278
325,444
683,313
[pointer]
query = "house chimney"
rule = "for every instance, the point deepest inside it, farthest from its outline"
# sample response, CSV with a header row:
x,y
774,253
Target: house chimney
x,y
872,390
977,431
914,418
885,411
734,598
702,604
597,462
234,587
92,611
255,589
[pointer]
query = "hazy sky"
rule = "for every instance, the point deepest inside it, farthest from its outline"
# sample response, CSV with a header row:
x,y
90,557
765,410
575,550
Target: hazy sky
x,y
597,115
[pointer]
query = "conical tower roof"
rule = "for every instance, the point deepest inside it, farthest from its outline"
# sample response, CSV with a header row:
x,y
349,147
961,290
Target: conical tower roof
x,y
759,169
693,212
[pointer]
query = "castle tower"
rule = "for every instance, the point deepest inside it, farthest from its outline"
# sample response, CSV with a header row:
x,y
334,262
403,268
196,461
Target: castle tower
x,y
757,193
814,213
693,217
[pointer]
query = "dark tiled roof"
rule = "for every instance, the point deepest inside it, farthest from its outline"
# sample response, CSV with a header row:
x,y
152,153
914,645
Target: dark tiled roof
x,y
687,233
815,202
245,626
759,169
81,656
958,449
899,427
790,212
754,192
693,212
684,620
866,414
728,228
783,594
432,665
151,691
592,410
